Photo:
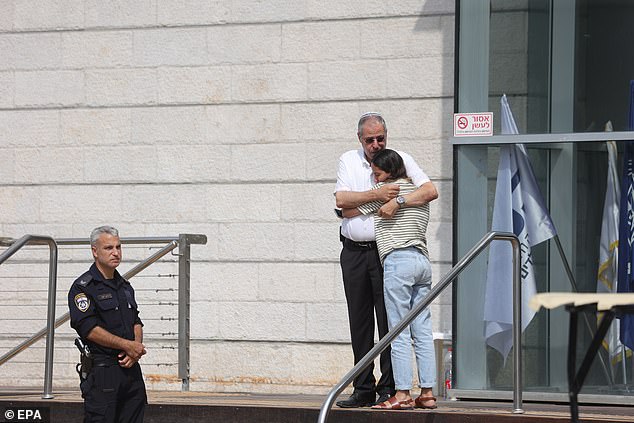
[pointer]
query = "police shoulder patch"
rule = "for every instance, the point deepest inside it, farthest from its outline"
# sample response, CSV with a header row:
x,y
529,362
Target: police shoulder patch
x,y
82,302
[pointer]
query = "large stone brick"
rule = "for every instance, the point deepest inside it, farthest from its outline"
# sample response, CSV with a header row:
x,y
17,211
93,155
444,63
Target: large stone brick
x,y
327,322
194,163
155,203
172,46
307,202
262,321
71,203
97,49
418,119
439,237
423,77
242,203
119,13
7,166
268,82
352,9
31,51
305,122
169,125
250,44
29,128
425,7
94,127
192,12
441,209
255,242
406,37
52,14
194,85
7,88
226,282
121,87
136,163
317,241
267,11
324,162
296,282
320,41
49,88
20,204
35,165
7,15
348,80
243,124
199,253
283,162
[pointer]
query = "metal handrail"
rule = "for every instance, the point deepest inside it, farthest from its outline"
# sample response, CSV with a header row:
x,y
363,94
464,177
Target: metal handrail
x,y
50,313
433,293
183,240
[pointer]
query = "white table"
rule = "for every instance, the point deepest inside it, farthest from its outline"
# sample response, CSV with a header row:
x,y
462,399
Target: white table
x,y
609,304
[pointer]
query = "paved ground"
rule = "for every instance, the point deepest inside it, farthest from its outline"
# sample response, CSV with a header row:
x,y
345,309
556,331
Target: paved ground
x,y
476,411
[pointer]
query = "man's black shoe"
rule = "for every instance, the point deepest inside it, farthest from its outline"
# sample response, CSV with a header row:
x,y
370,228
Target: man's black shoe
x,y
357,400
383,397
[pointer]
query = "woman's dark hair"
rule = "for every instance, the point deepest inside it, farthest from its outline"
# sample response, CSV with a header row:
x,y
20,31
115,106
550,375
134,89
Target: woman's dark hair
x,y
390,161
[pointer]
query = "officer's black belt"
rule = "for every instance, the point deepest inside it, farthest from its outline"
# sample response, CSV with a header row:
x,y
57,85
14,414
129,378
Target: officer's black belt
x,y
101,360
355,245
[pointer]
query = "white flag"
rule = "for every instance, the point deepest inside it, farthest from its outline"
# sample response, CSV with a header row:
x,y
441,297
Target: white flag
x,y
608,248
519,208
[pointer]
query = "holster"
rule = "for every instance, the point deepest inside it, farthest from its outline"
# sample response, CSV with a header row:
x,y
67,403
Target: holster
x,y
86,359
85,364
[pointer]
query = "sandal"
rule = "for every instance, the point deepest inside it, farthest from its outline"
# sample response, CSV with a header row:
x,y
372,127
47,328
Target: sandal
x,y
419,402
393,404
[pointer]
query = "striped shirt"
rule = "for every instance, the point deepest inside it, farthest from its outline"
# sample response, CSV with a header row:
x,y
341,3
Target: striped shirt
x,y
408,228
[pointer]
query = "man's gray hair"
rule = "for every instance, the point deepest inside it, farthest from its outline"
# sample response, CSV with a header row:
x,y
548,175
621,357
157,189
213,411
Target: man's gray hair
x,y
96,233
370,116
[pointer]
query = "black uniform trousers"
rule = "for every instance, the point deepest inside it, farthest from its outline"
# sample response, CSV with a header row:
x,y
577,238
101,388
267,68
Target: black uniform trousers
x,y
363,285
113,394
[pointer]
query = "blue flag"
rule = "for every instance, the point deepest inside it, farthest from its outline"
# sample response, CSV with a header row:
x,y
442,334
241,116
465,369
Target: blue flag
x,y
626,231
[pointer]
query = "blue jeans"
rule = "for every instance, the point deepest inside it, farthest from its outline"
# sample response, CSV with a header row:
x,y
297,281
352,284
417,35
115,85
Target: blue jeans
x,y
406,282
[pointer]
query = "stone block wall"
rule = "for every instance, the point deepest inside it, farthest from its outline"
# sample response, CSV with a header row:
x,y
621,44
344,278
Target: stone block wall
x,y
224,118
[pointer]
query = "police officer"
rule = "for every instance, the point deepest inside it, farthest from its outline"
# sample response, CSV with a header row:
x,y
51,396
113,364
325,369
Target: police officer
x,y
104,313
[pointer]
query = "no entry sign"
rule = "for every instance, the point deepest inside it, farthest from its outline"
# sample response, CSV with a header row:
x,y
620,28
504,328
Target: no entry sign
x,y
472,124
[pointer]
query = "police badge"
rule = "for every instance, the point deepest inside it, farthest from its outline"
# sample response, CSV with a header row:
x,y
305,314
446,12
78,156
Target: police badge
x,y
82,302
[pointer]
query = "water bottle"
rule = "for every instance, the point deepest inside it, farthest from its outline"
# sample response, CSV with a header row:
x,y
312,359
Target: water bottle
x,y
447,373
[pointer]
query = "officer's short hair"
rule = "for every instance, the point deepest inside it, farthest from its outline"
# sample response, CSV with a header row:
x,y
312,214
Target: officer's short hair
x,y
96,233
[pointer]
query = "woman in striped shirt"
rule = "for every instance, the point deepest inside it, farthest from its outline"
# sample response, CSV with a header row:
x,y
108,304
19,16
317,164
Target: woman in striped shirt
x,y
402,245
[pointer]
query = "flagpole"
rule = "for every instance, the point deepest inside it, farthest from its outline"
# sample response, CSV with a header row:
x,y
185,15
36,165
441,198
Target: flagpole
x,y
571,278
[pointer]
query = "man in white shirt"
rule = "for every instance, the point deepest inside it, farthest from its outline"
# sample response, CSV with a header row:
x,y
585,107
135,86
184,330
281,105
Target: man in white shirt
x,y
360,264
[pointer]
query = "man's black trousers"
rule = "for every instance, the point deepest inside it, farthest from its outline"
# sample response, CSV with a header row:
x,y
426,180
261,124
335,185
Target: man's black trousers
x,y
363,285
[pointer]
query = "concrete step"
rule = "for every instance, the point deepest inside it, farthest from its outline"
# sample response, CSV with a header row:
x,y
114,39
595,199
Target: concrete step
x,y
198,407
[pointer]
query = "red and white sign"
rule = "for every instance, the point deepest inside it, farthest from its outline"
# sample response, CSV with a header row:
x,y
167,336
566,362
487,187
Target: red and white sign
x,y
473,124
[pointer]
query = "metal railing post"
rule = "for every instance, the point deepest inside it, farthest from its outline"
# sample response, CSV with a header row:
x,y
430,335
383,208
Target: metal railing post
x,y
183,311
50,320
435,291
50,311
184,304
517,328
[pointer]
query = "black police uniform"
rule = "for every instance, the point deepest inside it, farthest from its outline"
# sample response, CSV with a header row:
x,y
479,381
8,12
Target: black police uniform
x,y
111,393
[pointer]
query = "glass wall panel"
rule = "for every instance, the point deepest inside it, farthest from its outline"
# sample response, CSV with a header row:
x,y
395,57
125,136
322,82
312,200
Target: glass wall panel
x,y
530,45
519,54
604,64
